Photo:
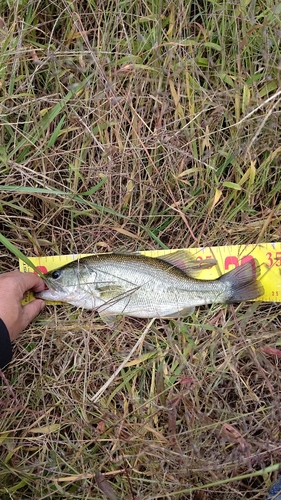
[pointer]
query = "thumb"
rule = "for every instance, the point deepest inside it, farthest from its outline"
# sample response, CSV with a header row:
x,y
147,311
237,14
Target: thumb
x,y
31,310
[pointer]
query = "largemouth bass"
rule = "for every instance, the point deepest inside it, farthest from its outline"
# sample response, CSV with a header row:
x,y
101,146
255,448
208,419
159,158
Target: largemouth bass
x,y
145,287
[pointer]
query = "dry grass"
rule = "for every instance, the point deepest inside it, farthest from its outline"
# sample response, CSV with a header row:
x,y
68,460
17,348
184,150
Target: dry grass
x,y
140,125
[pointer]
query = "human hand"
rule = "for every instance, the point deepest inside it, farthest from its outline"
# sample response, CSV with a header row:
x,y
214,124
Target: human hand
x,y
13,286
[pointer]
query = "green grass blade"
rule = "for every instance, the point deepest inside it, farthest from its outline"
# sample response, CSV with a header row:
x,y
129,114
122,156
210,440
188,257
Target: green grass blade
x,y
13,249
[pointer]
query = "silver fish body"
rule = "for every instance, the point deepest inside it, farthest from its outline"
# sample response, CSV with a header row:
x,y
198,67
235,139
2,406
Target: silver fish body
x,y
144,287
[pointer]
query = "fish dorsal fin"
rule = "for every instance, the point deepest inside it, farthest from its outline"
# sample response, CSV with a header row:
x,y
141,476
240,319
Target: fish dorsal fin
x,y
187,263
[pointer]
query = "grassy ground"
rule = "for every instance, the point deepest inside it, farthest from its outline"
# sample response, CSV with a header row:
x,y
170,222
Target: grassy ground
x,y
140,125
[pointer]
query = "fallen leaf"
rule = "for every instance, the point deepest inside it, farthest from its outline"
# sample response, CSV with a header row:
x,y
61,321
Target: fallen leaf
x,y
272,351
105,486
46,429
189,381
231,433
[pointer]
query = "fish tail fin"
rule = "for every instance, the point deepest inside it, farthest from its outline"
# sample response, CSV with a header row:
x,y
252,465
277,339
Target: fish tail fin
x,y
243,282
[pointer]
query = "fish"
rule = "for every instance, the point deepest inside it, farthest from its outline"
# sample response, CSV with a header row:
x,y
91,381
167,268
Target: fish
x,y
139,286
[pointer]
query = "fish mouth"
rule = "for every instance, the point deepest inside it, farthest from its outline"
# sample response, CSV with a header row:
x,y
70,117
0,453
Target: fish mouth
x,y
50,285
50,292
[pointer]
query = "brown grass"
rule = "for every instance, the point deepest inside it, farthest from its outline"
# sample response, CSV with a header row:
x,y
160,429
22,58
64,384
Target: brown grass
x,y
140,125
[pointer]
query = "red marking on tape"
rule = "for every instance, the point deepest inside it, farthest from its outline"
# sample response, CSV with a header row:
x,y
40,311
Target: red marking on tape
x,y
42,269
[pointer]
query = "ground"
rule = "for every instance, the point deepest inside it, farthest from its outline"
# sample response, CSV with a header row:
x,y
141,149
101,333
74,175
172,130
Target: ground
x,y
142,125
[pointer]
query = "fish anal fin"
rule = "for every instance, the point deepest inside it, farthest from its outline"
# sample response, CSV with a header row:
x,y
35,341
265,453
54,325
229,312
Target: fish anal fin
x,y
183,313
187,263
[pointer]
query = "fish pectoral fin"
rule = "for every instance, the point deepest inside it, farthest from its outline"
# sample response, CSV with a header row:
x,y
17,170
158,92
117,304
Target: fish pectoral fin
x,y
108,292
186,262
186,311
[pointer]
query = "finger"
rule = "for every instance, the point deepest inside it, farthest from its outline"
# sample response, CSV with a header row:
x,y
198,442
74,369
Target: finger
x,y
31,281
31,310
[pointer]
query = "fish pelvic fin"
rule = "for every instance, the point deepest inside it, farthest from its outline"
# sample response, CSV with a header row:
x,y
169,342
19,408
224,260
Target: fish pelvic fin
x,y
243,282
111,320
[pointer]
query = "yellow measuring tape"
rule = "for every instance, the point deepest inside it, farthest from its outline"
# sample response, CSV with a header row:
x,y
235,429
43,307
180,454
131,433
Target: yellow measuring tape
x,y
266,255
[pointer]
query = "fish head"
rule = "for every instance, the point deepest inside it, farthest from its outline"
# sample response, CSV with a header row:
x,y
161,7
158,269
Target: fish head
x,y
63,284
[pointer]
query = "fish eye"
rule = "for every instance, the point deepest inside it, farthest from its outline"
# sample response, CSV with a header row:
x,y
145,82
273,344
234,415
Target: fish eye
x,y
56,274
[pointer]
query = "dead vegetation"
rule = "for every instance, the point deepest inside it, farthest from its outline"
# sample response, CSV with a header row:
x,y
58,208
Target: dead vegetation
x,y
140,125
